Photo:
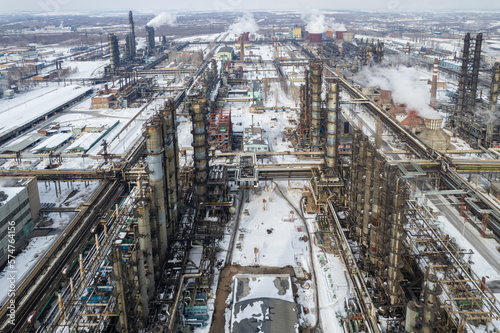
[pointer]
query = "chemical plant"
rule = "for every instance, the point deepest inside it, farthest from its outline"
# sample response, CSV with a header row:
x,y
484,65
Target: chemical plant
x,y
250,173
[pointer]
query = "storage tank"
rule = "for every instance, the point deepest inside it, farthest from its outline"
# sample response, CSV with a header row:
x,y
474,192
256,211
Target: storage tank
x,y
315,37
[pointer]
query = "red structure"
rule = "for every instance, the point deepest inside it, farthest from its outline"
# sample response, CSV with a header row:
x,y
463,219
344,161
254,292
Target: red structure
x,y
220,130
339,34
246,39
315,37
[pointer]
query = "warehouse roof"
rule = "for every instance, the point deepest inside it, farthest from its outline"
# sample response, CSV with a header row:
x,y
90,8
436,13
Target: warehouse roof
x,y
22,143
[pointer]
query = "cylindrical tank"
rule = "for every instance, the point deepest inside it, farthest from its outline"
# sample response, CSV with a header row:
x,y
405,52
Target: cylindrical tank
x,y
315,37
411,316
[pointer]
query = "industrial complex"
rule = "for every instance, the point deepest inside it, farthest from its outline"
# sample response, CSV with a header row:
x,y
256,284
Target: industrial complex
x,y
267,172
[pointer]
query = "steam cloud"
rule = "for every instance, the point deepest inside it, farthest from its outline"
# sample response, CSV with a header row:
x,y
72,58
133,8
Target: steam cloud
x,y
316,22
246,23
405,85
163,18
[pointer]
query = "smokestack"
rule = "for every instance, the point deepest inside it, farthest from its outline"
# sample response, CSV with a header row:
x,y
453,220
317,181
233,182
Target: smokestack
x,y
242,48
434,84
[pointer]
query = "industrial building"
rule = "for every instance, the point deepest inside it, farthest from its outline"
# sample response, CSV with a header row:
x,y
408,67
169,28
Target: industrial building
x,y
19,210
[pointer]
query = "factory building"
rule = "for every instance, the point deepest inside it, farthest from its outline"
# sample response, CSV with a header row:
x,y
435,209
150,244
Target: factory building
x,y
296,32
225,52
19,208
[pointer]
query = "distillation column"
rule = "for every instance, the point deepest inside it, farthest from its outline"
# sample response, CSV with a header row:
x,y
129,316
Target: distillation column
x,y
475,71
200,145
114,53
117,271
142,283
462,91
495,81
154,160
396,249
359,183
145,241
431,305
171,164
375,218
150,40
316,83
367,194
331,138
132,35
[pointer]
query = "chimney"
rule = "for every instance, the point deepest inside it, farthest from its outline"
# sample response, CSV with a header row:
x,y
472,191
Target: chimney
x,y
242,48
106,90
434,84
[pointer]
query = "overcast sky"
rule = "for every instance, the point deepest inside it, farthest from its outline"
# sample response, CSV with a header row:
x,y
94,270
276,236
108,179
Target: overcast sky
x,y
165,5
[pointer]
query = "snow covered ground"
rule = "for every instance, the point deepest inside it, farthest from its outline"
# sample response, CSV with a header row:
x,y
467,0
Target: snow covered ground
x,y
86,69
266,236
34,251
68,194
20,114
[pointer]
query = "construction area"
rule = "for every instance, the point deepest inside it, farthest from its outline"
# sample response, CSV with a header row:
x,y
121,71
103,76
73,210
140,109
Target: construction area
x,y
254,181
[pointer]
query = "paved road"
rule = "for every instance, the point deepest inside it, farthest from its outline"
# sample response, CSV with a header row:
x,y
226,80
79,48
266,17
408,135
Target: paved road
x,y
491,255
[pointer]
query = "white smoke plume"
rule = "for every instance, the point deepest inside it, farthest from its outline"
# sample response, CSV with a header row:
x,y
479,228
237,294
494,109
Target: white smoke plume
x,y
246,23
163,18
405,84
316,22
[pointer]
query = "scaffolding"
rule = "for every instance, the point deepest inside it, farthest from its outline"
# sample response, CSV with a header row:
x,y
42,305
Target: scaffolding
x,y
467,85
220,130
